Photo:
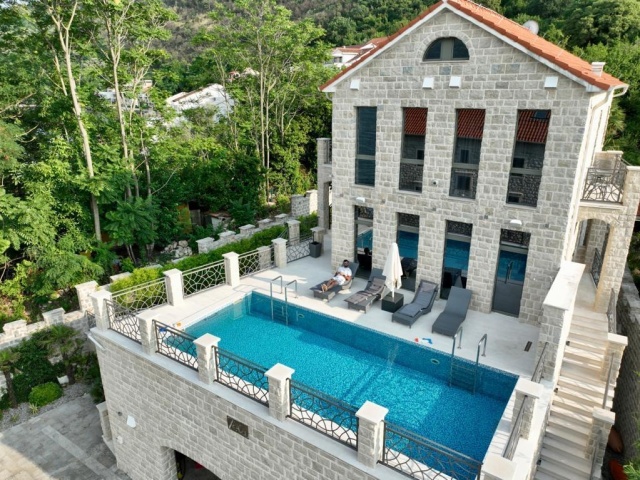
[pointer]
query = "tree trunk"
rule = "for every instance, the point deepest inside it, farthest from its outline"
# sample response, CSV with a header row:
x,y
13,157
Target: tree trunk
x,y
10,390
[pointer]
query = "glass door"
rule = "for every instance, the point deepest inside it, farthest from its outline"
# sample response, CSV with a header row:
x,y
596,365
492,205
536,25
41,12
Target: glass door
x,y
364,240
457,245
407,238
510,274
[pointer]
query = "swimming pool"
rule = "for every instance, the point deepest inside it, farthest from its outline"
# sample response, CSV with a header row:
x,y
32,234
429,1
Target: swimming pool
x,y
356,364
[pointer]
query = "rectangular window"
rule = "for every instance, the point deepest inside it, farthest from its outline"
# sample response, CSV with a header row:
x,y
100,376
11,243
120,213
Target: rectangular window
x,y
528,157
414,130
466,157
366,146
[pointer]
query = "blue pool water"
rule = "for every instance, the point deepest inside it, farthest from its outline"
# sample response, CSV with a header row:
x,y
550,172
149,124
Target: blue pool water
x,y
456,254
356,364
365,239
408,244
518,262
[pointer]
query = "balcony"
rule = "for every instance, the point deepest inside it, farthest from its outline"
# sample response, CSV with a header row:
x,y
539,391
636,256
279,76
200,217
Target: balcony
x,y
605,179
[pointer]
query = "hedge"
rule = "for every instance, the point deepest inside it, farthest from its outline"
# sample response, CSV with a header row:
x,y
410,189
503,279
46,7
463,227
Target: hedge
x,y
44,394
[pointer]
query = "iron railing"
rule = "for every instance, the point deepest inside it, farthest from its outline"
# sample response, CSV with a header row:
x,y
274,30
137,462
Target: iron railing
x,y
594,460
255,261
143,296
411,175
123,321
242,376
605,184
538,371
611,312
201,278
327,415
596,266
419,457
176,345
91,319
299,249
514,436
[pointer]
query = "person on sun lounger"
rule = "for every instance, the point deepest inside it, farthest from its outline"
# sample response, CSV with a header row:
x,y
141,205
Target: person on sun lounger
x,y
343,274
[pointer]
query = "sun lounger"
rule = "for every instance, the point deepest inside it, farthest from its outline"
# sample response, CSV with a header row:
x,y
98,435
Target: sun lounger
x,y
329,294
454,312
374,290
422,303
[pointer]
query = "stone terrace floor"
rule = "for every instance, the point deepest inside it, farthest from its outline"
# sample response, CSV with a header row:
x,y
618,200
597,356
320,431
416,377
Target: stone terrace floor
x,y
507,337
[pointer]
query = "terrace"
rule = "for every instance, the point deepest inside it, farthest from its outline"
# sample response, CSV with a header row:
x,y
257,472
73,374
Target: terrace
x,y
511,345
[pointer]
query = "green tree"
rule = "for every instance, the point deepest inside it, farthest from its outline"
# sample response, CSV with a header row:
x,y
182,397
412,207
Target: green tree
x,y
8,361
64,341
131,223
601,21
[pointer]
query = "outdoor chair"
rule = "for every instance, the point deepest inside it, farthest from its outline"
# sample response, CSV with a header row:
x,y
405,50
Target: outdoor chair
x,y
454,313
422,303
329,294
374,290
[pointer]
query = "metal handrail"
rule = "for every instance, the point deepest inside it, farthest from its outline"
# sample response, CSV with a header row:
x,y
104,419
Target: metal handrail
x,y
596,452
514,436
537,372
453,353
286,299
271,291
606,387
611,312
484,350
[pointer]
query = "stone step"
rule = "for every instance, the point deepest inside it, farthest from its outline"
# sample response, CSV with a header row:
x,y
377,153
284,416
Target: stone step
x,y
567,436
571,405
595,387
577,369
584,356
572,466
580,419
598,341
569,426
587,345
588,314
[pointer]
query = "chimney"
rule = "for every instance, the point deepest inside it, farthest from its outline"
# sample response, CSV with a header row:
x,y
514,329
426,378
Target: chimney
x,y
597,67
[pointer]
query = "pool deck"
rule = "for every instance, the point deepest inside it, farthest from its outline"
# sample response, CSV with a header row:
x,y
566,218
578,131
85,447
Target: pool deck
x,y
507,337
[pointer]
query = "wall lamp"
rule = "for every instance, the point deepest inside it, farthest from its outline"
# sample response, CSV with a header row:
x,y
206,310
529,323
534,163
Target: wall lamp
x,y
515,222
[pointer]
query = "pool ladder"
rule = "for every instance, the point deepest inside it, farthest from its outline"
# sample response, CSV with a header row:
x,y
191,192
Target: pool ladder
x,y
460,373
285,308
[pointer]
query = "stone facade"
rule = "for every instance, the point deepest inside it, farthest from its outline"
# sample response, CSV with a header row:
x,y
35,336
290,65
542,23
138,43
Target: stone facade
x,y
174,410
501,80
302,205
626,403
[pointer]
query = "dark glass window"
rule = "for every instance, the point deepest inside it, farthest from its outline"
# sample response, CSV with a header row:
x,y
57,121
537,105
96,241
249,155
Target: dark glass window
x,y
449,48
366,146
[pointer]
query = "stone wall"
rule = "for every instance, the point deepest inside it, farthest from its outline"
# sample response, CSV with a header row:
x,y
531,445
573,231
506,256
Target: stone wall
x,y
303,205
626,402
172,409
501,80
208,243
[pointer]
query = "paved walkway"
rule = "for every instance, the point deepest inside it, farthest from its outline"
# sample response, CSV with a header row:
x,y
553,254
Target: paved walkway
x,y
62,444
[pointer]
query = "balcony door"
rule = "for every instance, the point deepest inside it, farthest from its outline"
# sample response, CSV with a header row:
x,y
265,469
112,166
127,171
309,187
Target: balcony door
x,y
510,272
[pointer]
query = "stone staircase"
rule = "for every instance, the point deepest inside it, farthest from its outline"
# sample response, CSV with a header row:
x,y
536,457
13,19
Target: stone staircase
x,y
579,390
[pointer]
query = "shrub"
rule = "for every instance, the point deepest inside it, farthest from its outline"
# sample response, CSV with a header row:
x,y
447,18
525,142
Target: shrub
x,y
44,394
34,366
138,276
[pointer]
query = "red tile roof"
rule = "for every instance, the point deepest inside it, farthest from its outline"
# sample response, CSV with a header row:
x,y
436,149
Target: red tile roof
x,y
415,121
510,29
532,128
470,123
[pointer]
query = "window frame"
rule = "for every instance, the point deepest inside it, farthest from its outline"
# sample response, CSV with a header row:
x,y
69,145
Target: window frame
x,y
446,47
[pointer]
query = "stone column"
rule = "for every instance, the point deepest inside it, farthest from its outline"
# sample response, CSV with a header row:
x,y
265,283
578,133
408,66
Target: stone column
x,y
371,433
312,195
603,420
280,252
53,317
279,402
281,218
247,230
551,330
206,347
318,234
527,393
100,308
615,347
294,232
175,287
83,291
264,257
265,223
232,269
205,244
104,421
226,237
496,467
147,335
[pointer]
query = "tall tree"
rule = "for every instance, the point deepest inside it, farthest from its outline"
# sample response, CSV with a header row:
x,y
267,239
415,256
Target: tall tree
x,y
8,360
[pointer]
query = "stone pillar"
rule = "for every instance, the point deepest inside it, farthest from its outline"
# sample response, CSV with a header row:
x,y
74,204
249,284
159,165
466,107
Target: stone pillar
x,y
266,223
53,317
206,347
294,232
175,287
615,347
595,239
147,335
551,331
247,230
205,244
100,308
318,234
527,393
496,467
279,403
83,291
281,218
227,237
280,252
603,420
104,421
264,257
312,195
232,269
371,433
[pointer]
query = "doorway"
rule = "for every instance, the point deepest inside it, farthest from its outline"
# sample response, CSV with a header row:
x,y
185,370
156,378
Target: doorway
x,y
510,272
457,245
408,238
364,240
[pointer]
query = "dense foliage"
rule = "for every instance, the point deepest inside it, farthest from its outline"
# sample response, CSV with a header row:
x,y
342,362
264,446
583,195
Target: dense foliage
x,y
44,394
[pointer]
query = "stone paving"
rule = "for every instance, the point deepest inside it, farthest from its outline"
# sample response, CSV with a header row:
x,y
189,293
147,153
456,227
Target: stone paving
x,y
62,444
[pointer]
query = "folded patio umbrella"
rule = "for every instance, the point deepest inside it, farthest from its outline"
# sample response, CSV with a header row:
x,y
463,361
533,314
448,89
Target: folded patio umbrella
x,y
393,269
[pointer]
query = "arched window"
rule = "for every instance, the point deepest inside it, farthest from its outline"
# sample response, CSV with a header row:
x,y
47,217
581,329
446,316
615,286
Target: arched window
x,y
449,48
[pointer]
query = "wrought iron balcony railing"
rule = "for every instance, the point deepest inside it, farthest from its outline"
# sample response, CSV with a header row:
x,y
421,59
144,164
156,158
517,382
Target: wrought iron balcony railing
x,y
605,182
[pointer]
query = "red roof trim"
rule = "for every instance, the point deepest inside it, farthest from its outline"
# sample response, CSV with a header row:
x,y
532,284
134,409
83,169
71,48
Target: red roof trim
x,y
512,30
470,123
532,129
